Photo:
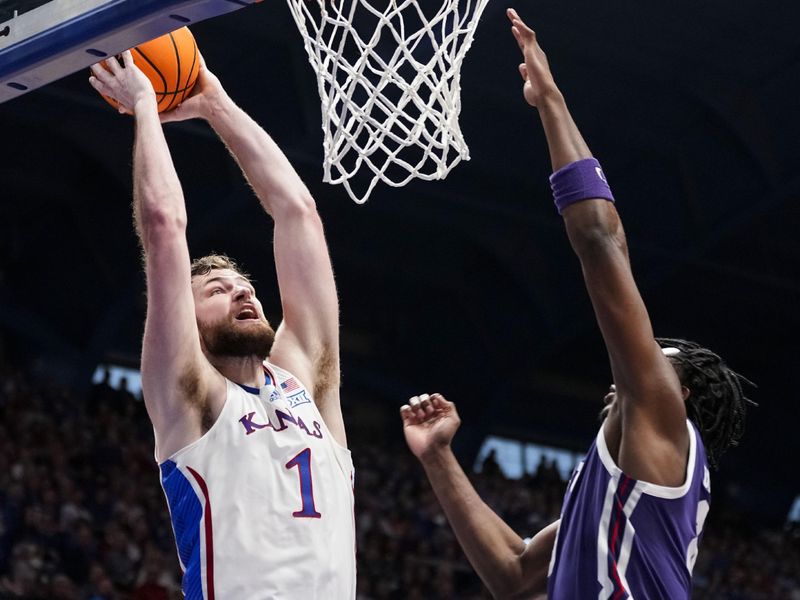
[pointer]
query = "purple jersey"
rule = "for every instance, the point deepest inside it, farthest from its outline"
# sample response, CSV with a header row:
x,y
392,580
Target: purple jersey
x,y
622,538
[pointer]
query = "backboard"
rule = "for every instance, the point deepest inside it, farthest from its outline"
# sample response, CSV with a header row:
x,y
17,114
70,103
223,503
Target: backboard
x,y
42,41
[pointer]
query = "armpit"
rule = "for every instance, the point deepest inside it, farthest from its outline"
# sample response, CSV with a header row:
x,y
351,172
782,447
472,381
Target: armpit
x,y
326,373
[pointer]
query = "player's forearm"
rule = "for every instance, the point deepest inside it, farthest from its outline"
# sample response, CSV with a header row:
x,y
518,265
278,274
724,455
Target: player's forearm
x,y
564,140
593,226
269,172
491,546
595,232
158,198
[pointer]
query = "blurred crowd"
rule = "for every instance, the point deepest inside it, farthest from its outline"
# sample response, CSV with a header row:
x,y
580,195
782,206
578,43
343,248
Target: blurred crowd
x,y
83,517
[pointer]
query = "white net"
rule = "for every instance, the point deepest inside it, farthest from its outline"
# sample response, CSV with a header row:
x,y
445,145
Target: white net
x,y
388,74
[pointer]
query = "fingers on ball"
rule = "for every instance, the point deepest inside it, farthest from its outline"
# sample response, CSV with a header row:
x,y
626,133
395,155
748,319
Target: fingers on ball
x,y
100,73
113,64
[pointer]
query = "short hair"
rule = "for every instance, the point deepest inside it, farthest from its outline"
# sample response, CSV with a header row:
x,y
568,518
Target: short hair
x,y
716,404
205,264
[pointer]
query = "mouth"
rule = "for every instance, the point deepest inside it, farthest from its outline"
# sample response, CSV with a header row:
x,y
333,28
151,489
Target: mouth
x,y
248,313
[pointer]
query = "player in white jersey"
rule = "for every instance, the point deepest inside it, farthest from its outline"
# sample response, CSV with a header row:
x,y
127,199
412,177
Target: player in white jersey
x,y
253,454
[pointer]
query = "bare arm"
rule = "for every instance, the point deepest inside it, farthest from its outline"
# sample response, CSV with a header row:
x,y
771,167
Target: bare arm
x,y
176,378
307,342
508,567
654,435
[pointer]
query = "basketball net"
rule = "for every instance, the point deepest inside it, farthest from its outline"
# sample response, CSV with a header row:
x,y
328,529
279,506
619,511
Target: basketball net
x,y
388,74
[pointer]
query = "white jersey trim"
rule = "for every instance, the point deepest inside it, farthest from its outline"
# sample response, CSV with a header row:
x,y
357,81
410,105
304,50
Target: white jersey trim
x,y
652,489
626,539
602,538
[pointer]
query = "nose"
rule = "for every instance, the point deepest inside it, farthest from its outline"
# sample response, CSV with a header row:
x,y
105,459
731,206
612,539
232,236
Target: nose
x,y
243,292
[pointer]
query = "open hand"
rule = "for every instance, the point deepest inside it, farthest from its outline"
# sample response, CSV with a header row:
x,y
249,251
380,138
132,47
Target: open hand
x,y
535,71
429,423
125,84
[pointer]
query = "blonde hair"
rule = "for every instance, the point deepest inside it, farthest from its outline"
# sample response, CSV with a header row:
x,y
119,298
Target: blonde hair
x,y
206,264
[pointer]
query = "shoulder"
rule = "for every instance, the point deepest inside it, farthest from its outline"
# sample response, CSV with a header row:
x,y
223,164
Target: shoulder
x,y
276,371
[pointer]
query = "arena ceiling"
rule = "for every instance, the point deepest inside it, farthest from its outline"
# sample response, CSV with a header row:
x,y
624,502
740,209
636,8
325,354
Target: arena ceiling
x,y
466,286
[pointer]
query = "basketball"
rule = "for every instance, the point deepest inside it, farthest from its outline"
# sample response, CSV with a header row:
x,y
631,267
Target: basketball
x,y
172,63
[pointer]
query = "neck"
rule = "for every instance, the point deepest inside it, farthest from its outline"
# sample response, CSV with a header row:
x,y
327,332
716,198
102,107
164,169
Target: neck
x,y
246,370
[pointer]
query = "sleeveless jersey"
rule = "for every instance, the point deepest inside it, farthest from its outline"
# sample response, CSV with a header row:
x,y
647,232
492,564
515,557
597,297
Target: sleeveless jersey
x,y
622,538
262,504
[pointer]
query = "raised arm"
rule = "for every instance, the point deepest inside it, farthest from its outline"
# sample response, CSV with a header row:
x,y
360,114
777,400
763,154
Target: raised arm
x,y
177,381
508,566
307,341
654,437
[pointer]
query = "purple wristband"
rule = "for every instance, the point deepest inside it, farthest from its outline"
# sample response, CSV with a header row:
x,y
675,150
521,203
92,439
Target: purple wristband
x,y
582,180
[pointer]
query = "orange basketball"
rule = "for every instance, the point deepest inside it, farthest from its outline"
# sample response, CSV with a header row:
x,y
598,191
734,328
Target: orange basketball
x,y
172,63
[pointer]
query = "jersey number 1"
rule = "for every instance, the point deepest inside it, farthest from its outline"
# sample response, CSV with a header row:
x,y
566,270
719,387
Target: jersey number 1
x,y
303,463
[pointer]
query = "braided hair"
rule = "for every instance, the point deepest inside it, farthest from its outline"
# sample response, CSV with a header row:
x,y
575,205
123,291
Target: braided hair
x,y
716,402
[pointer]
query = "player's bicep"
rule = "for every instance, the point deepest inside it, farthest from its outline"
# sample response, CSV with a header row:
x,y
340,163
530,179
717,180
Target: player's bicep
x,y
174,369
535,562
643,375
307,288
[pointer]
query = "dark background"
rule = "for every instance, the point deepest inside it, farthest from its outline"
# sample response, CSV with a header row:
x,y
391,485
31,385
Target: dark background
x,y
9,7
466,286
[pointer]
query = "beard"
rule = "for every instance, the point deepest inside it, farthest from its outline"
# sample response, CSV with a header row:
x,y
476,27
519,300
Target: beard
x,y
224,339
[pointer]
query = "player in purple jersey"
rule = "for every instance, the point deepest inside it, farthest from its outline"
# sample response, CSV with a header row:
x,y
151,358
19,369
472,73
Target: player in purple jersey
x,y
634,509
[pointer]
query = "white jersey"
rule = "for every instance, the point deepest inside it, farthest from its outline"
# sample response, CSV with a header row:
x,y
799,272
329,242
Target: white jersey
x,y
262,504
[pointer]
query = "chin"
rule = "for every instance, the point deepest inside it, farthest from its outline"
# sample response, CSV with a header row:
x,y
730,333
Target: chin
x,y
246,322
253,337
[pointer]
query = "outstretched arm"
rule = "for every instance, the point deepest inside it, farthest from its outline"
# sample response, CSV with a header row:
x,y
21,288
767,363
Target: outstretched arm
x,y
177,380
654,435
508,567
307,342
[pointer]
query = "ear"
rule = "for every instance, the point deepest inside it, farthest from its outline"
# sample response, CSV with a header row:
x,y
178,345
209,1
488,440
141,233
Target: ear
x,y
685,392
